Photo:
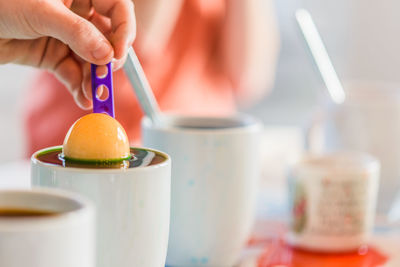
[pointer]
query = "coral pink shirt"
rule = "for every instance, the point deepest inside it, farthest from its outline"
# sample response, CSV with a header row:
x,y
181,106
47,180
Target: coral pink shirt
x,y
187,79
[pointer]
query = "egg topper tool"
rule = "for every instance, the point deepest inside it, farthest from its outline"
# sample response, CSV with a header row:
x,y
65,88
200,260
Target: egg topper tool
x,y
102,106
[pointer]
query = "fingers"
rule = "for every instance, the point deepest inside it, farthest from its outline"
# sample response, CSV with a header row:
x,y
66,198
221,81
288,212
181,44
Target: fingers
x,y
12,50
78,33
101,71
82,101
123,23
83,8
50,54
104,25
70,73
119,63
86,82
59,59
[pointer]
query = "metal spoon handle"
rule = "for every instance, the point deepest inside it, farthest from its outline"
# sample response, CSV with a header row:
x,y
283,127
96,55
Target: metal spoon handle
x,y
320,55
142,88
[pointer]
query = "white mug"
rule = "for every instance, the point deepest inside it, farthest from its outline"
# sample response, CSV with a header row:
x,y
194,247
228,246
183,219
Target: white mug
x,y
332,199
133,208
215,174
63,238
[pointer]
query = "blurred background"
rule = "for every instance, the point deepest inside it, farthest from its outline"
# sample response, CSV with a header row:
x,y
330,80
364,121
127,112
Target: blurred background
x,y
361,37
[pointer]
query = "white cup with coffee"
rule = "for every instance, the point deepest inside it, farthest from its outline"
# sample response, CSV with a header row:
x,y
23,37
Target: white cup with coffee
x,y
332,199
215,174
46,228
133,203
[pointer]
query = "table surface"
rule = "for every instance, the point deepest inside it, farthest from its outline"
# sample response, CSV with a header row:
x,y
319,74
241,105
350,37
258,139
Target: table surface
x,y
266,248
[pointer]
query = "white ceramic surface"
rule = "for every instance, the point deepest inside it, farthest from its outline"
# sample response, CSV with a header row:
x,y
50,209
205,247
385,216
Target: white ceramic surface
x,y
215,175
66,239
332,201
133,208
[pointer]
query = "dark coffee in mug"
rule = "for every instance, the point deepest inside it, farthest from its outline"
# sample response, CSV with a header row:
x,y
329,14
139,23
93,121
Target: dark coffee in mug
x,y
10,212
140,157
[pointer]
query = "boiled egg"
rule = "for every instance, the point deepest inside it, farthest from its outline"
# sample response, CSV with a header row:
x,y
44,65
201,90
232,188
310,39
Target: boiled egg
x,y
96,137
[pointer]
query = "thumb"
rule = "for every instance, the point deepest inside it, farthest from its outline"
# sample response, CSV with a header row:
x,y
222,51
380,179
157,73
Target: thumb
x,y
78,33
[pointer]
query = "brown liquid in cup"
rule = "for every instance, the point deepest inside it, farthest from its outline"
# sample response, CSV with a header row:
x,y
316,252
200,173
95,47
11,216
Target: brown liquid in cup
x,y
139,157
21,212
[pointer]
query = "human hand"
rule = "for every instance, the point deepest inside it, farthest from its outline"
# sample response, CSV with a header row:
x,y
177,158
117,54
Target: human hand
x,y
62,36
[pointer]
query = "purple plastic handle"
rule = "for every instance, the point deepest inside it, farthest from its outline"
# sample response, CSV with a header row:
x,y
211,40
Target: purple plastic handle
x,y
103,106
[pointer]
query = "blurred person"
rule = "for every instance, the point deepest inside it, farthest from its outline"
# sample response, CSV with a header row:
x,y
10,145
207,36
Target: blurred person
x,y
201,58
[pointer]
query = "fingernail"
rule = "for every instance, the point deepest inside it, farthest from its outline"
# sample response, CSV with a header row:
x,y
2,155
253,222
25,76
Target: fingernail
x,y
114,64
102,51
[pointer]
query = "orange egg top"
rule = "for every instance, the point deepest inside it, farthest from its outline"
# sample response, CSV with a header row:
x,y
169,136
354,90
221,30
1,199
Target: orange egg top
x,y
96,137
